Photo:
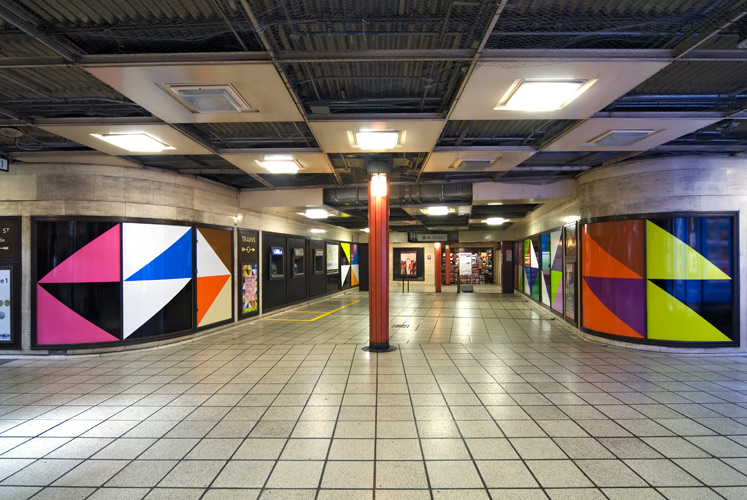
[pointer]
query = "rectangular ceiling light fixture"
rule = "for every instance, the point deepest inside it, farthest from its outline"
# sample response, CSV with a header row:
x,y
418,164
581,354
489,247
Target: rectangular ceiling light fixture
x,y
376,140
436,210
542,95
135,142
620,138
279,164
215,98
316,213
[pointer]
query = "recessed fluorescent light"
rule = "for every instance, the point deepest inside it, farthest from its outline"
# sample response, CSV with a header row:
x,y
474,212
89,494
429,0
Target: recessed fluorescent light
x,y
494,221
218,98
542,95
373,140
365,230
316,213
620,138
318,230
279,164
136,142
493,203
436,210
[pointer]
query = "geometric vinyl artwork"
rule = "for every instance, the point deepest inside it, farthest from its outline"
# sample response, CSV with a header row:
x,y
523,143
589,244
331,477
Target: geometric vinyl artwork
x,y
613,278
556,270
540,269
355,265
214,286
662,279
344,263
157,272
78,296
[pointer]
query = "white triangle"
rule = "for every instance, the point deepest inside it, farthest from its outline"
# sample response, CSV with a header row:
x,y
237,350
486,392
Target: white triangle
x,y
343,274
141,243
532,256
554,240
208,262
143,299
544,291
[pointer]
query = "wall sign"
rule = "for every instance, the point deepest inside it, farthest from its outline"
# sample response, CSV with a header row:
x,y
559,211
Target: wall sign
x,y
10,239
248,246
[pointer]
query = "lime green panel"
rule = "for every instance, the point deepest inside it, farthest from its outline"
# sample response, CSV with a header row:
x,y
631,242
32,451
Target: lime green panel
x,y
669,258
670,319
556,278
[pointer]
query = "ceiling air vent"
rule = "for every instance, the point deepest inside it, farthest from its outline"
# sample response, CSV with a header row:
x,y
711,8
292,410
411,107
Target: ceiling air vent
x,y
620,138
474,164
214,98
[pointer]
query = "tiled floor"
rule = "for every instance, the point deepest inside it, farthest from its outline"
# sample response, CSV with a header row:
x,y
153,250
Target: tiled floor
x,y
485,398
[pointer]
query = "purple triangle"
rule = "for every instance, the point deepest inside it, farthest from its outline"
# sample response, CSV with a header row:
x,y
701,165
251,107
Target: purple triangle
x,y
625,297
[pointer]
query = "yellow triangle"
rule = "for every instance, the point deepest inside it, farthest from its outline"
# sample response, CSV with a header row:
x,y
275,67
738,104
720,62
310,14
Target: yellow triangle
x,y
346,250
669,258
670,319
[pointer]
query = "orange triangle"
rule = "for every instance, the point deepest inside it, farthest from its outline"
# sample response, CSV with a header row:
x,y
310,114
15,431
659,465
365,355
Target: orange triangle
x,y
600,264
208,288
597,317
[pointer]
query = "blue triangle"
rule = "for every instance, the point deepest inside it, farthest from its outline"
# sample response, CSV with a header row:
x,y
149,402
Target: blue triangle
x,y
174,263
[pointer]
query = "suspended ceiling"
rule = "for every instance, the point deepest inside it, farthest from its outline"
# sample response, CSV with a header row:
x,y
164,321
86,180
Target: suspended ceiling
x,y
314,71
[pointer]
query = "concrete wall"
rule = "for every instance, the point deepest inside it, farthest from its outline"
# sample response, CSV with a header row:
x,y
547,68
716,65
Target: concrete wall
x,y
64,190
657,186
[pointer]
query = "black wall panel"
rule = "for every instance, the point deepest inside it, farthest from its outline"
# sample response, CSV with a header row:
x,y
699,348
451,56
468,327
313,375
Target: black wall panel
x,y
317,276
363,263
298,267
273,286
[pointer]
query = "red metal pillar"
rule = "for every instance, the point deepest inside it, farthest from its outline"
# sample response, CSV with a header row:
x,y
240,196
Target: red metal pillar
x,y
378,265
448,265
438,266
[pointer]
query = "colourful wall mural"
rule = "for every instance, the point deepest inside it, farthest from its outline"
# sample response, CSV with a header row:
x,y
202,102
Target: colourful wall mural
x,y
660,279
105,281
250,288
214,285
344,264
539,269
355,268
78,292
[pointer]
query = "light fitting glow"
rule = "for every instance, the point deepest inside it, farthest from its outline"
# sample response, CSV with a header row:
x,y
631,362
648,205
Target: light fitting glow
x,y
316,213
572,218
375,140
365,230
378,185
436,211
495,221
279,164
315,230
493,203
542,95
136,142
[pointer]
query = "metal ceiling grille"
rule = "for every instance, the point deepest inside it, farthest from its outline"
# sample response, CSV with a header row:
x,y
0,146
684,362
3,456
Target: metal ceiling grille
x,y
376,86
627,24
458,133
248,135
350,25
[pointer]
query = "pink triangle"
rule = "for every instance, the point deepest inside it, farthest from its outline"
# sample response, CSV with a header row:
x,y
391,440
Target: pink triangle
x,y
557,302
97,262
57,324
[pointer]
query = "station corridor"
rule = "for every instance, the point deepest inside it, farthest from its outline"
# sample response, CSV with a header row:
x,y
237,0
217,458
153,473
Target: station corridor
x,y
486,397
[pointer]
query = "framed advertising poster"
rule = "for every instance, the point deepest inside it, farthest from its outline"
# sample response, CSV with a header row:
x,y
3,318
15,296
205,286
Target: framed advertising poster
x,y
6,311
249,273
408,264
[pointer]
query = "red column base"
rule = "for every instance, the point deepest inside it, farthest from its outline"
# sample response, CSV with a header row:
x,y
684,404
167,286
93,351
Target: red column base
x,y
379,347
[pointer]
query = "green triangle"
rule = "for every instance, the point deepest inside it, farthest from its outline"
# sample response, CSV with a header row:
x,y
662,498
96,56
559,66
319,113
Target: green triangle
x,y
669,258
670,319
556,278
